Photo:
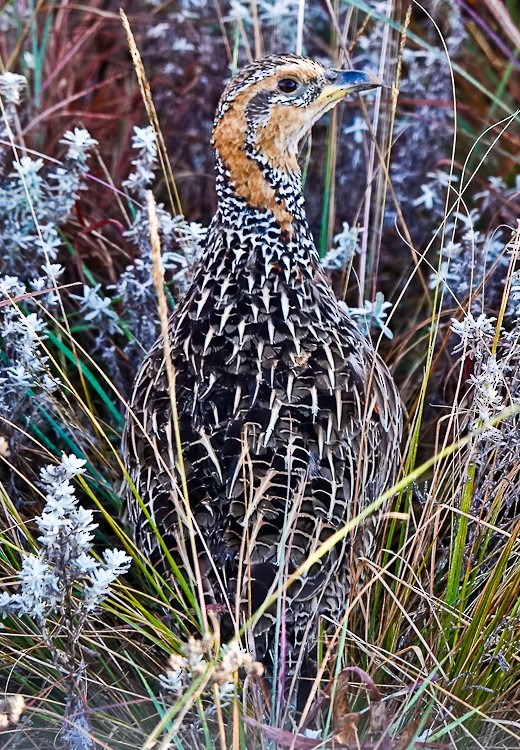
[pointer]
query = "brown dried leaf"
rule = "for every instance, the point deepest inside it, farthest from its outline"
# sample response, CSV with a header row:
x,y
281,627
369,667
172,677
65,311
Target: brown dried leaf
x,y
378,717
341,705
284,738
407,736
345,731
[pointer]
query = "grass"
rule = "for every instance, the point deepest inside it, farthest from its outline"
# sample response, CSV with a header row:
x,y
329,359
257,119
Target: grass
x,y
427,653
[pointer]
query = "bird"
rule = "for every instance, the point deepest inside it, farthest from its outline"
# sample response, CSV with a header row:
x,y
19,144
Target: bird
x,y
289,422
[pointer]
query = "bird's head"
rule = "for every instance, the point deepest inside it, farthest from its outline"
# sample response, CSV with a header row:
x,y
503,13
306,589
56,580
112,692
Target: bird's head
x,y
264,113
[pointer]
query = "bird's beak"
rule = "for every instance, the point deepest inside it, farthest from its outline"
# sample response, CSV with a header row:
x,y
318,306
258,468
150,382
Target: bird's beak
x,y
344,82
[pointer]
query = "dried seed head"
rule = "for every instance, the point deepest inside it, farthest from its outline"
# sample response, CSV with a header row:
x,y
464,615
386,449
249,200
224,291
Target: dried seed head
x,y
4,447
255,669
11,709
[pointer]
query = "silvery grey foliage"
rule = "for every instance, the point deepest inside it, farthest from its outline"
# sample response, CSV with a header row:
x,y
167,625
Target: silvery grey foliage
x,y
279,19
372,315
12,87
181,246
64,559
24,369
473,267
423,124
493,386
35,201
346,246
144,141
488,383
77,732
97,309
62,584
476,335
432,197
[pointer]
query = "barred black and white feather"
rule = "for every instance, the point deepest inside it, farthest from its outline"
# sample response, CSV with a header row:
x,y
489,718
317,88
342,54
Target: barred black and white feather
x,y
290,422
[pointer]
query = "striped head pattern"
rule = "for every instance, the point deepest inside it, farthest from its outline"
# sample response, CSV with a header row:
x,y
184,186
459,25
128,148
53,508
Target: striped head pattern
x,y
263,115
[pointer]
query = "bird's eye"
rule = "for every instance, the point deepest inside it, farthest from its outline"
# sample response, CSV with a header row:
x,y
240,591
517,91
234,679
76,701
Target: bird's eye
x,y
288,85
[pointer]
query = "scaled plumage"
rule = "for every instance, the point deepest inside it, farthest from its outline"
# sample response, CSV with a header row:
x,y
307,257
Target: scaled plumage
x,y
290,422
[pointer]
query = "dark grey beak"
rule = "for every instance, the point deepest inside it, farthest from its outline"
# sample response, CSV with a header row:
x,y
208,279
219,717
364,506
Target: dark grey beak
x,y
352,81
341,83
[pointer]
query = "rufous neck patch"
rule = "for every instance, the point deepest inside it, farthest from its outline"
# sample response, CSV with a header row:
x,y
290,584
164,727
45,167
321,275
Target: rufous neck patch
x,y
245,174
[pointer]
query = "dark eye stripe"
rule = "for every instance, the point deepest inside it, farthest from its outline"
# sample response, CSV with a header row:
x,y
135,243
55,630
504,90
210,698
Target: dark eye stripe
x,y
288,85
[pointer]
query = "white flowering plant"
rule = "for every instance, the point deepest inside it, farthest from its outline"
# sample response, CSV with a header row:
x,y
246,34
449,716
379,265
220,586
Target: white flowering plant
x,y
50,578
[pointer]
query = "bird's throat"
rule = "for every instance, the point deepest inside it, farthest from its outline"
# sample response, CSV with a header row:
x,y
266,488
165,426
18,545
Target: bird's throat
x,y
264,178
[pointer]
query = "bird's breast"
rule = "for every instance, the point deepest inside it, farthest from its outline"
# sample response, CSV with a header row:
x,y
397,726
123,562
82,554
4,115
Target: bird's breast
x,y
271,357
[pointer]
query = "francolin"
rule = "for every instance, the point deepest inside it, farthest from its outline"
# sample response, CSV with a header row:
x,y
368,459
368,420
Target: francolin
x,y
289,421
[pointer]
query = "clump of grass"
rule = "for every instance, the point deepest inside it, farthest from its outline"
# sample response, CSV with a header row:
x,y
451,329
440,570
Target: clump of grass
x,y
427,654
